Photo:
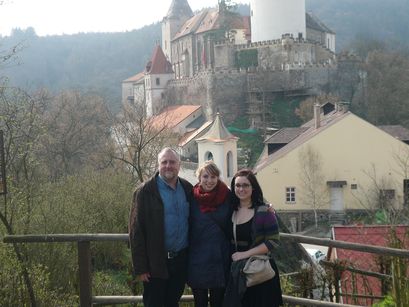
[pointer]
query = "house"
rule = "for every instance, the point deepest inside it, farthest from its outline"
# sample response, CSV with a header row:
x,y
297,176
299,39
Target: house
x,y
336,162
199,140
188,123
364,286
147,88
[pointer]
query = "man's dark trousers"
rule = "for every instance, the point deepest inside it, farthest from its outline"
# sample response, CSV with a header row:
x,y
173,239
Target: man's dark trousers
x,y
160,292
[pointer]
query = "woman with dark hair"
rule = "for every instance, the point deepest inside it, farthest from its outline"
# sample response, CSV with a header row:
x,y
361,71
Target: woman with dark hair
x,y
209,247
256,234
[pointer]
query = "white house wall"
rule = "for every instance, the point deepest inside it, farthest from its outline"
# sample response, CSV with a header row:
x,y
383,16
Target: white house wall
x,y
348,149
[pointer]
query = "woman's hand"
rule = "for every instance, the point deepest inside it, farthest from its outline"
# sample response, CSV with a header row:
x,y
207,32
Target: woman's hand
x,y
144,277
258,250
239,255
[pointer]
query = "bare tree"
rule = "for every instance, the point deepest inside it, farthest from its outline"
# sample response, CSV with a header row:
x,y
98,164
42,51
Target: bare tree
x,y
387,91
378,197
21,122
78,131
139,139
314,192
401,158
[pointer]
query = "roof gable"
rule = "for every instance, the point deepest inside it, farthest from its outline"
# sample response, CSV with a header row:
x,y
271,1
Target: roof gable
x,y
308,131
191,25
217,132
209,22
158,63
314,23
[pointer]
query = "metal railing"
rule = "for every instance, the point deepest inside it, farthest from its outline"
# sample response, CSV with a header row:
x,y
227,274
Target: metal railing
x,y
85,267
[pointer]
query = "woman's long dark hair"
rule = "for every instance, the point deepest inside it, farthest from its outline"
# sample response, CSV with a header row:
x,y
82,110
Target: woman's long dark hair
x,y
257,194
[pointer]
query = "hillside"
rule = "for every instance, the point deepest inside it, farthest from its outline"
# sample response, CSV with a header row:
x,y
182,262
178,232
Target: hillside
x,y
98,62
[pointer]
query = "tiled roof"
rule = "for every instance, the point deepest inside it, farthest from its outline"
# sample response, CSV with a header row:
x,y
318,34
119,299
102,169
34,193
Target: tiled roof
x,y
217,132
285,135
210,21
397,131
179,8
190,136
158,63
365,234
173,116
135,78
242,22
314,23
191,25
309,132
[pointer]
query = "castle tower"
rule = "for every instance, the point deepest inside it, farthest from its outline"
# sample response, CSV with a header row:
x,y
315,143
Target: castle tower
x,y
219,145
158,72
179,12
270,19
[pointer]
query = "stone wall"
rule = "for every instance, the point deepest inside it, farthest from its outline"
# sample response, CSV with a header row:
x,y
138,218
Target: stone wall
x,y
221,91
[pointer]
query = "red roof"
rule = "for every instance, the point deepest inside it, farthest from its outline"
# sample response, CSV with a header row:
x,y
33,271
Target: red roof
x,y
135,78
173,116
158,63
366,234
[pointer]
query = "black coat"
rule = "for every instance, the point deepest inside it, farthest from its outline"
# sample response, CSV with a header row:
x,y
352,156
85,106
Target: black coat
x,y
147,228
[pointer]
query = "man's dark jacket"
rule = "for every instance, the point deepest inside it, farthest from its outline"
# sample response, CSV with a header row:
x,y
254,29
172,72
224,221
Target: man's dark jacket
x,y
147,229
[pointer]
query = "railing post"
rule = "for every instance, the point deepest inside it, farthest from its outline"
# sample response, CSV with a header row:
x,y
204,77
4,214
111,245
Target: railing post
x,y
84,265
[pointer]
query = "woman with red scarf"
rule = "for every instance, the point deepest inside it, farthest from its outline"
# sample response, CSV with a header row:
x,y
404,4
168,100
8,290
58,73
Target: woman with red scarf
x,y
209,249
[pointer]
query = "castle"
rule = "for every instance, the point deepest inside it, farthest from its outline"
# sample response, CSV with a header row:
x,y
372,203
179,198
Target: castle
x,y
237,65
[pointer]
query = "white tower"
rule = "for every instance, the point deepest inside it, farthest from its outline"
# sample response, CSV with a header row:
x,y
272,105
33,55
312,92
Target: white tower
x,y
219,145
270,19
179,12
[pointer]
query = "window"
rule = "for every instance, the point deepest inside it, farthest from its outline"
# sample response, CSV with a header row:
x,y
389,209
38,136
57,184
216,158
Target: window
x,y
157,81
406,191
208,156
229,164
354,186
290,195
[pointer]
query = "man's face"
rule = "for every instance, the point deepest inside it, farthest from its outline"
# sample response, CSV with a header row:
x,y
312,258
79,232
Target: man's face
x,y
169,166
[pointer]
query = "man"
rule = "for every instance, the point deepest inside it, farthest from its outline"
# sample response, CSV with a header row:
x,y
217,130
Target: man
x,y
158,233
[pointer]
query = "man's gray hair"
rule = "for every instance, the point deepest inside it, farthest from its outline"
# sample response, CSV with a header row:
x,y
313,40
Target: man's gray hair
x,y
168,149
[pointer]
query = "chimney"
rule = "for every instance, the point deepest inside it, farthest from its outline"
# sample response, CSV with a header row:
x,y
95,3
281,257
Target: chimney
x,y
317,113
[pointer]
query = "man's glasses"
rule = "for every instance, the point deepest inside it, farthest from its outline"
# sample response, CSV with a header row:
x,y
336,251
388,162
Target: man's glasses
x,y
243,185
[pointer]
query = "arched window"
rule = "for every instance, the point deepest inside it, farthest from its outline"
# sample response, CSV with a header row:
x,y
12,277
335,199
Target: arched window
x,y
208,156
229,164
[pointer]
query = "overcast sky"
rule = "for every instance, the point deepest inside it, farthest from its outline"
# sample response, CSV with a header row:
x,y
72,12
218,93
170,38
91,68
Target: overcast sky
x,y
50,17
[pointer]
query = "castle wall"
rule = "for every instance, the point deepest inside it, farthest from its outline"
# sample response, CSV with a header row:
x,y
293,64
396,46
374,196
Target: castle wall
x,y
219,91
224,56
183,56
226,90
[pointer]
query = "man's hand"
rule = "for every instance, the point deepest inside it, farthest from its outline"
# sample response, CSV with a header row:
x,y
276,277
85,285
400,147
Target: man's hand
x,y
144,277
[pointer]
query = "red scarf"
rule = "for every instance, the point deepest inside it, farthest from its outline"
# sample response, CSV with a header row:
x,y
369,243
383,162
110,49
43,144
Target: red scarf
x,y
210,201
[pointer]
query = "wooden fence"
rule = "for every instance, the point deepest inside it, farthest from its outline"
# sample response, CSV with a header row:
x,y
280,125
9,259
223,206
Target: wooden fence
x,y
85,268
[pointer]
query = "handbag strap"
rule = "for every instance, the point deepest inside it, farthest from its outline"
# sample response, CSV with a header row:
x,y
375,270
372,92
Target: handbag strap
x,y
234,218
